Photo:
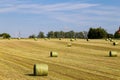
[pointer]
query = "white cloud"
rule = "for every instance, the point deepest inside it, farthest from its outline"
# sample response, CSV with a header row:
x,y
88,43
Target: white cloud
x,y
8,9
67,6
47,8
76,13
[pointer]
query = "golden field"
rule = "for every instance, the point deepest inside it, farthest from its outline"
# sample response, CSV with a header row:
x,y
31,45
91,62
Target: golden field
x,y
83,61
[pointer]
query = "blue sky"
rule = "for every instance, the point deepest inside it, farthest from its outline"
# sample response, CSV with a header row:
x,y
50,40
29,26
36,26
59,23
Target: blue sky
x,y
32,16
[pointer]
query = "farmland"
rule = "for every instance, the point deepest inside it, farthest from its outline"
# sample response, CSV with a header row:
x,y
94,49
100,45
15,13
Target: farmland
x,y
85,60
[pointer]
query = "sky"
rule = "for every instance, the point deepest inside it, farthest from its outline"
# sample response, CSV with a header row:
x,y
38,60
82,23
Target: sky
x,y
32,16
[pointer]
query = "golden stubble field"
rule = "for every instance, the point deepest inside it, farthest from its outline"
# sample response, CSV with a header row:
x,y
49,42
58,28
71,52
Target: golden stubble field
x,y
83,61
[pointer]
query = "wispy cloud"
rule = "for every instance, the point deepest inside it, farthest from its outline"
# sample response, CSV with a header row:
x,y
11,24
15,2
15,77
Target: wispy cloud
x,y
47,8
77,13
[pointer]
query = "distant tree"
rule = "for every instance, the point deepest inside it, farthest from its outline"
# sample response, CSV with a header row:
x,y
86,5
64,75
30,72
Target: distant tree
x,y
85,34
61,34
32,36
97,33
110,35
56,34
5,35
72,34
41,35
117,35
67,35
79,35
50,34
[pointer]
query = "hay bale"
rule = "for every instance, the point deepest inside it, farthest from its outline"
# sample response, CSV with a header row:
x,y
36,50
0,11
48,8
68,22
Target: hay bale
x,y
53,54
87,39
106,39
35,39
71,39
60,39
75,39
115,43
110,39
40,69
19,38
112,54
69,45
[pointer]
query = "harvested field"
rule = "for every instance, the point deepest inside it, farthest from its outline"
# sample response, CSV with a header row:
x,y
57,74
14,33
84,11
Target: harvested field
x,y
83,61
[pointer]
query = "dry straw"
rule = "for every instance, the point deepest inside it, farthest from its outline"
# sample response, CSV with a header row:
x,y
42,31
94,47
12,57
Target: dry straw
x,y
53,54
112,54
40,69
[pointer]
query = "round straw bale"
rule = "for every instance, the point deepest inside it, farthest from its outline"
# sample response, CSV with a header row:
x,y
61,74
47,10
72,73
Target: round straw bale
x,y
87,39
35,39
69,45
112,53
60,39
53,54
40,69
71,39
19,38
111,40
115,43
106,39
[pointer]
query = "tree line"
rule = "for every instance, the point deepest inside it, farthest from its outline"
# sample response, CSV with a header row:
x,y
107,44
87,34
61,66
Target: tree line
x,y
60,34
93,33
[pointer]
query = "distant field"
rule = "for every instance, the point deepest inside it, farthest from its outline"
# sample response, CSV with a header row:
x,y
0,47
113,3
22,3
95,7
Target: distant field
x,y
83,61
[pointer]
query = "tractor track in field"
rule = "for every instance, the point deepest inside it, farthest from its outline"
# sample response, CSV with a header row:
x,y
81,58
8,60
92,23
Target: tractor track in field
x,y
77,71
93,46
26,63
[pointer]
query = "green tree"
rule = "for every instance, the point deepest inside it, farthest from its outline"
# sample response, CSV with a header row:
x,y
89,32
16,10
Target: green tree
x,y
61,34
5,35
41,35
109,35
67,34
79,35
116,34
72,34
50,34
97,33
56,34
32,36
